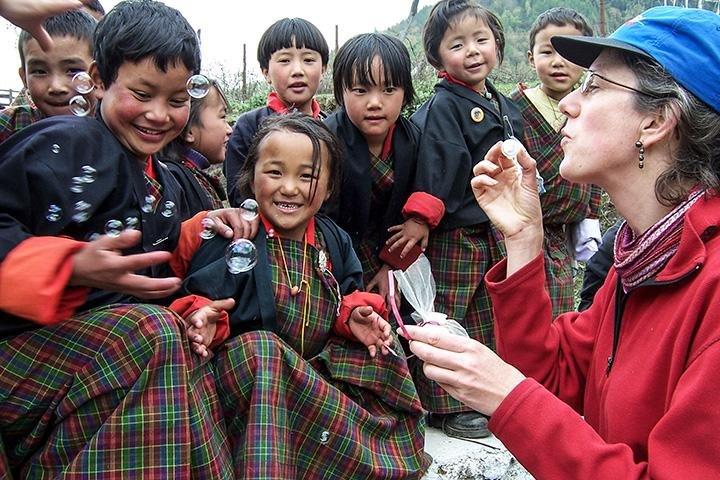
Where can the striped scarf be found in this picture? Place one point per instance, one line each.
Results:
(640, 258)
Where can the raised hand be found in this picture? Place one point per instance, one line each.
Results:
(30, 15)
(202, 324)
(102, 265)
(468, 370)
(229, 223)
(371, 329)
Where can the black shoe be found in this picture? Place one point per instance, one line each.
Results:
(463, 425)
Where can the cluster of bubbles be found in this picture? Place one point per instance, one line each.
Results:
(87, 176)
(240, 255)
(82, 83)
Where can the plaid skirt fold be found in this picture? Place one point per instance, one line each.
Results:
(109, 394)
(339, 415)
(459, 259)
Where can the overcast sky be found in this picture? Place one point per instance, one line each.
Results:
(227, 24)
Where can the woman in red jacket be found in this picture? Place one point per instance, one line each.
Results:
(641, 365)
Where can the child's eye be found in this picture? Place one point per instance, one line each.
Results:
(546, 52)
(73, 71)
(273, 173)
(179, 102)
(38, 71)
(482, 40)
(455, 46)
(141, 95)
(391, 90)
(310, 60)
(358, 90)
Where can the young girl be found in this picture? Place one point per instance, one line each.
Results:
(301, 370)
(567, 207)
(293, 55)
(459, 124)
(373, 82)
(202, 143)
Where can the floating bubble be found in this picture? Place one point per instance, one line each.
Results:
(249, 209)
(79, 106)
(240, 256)
(198, 86)
(88, 174)
(78, 185)
(207, 232)
(132, 223)
(55, 148)
(54, 213)
(147, 207)
(83, 83)
(82, 205)
(168, 209)
(93, 237)
(113, 228)
(81, 217)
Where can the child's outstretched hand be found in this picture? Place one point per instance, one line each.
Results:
(229, 223)
(202, 323)
(407, 235)
(371, 329)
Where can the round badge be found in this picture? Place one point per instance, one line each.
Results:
(477, 114)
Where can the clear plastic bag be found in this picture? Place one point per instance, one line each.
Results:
(418, 287)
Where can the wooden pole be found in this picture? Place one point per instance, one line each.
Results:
(603, 23)
(244, 72)
(337, 41)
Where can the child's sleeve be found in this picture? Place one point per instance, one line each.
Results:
(188, 244)
(424, 206)
(351, 302)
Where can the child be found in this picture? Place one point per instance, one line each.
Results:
(372, 83)
(90, 378)
(293, 55)
(302, 365)
(459, 124)
(202, 143)
(47, 75)
(564, 204)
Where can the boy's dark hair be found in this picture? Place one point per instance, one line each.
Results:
(445, 13)
(136, 30)
(78, 24)
(95, 6)
(288, 32)
(174, 149)
(353, 64)
(559, 16)
(312, 128)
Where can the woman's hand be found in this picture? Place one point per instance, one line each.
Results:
(229, 223)
(468, 370)
(370, 329)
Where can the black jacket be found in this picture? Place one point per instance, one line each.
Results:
(453, 140)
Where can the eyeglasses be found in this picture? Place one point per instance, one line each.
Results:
(588, 80)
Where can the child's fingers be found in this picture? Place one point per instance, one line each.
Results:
(372, 349)
(395, 228)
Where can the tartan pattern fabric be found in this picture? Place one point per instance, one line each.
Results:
(336, 413)
(154, 189)
(108, 395)
(459, 259)
(15, 118)
(559, 273)
(382, 173)
(211, 185)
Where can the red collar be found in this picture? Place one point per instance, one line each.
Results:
(309, 230)
(278, 106)
(387, 145)
(149, 169)
(451, 79)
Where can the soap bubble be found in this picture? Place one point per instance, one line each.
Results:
(132, 223)
(147, 207)
(240, 256)
(81, 217)
(198, 86)
(113, 228)
(78, 185)
(54, 213)
(88, 174)
(55, 148)
(79, 106)
(168, 209)
(207, 232)
(249, 209)
(83, 83)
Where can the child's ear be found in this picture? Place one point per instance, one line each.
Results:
(531, 59)
(94, 73)
(266, 74)
(21, 73)
(189, 136)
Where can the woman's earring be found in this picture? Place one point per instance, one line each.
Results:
(641, 154)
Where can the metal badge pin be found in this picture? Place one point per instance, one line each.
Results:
(477, 114)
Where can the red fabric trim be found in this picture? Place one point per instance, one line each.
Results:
(351, 302)
(387, 144)
(275, 103)
(188, 305)
(424, 206)
(149, 169)
(34, 280)
(309, 230)
(188, 243)
(451, 79)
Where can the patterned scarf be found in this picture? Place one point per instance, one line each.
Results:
(640, 258)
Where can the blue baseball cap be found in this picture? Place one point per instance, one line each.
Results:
(685, 41)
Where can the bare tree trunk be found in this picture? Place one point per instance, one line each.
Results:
(413, 12)
(244, 72)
